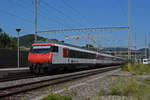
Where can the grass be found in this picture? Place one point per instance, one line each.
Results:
(136, 68)
(66, 95)
(123, 87)
(54, 96)
(138, 89)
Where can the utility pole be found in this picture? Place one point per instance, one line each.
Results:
(145, 46)
(135, 47)
(35, 37)
(129, 31)
(149, 50)
(88, 39)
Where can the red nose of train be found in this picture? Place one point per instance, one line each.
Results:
(40, 58)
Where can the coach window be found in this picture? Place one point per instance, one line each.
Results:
(84, 55)
(81, 54)
(77, 54)
(55, 49)
(72, 54)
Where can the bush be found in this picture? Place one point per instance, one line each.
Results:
(123, 87)
(136, 68)
(129, 87)
(56, 97)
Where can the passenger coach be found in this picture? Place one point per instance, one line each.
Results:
(46, 57)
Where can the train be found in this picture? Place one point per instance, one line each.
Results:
(45, 57)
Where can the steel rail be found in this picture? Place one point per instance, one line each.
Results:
(18, 77)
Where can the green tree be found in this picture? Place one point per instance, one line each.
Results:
(1, 30)
(89, 46)
(13, 44)
(4, 40)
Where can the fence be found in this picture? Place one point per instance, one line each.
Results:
(8, 58)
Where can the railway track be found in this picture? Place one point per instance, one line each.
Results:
(21, 88)
(27, 74)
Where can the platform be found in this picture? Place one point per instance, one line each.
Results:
(14, 69)
(8, 71)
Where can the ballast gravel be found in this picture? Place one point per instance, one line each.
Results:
(87, 88)
(82, 88)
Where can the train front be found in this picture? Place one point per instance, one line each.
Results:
(40, 57)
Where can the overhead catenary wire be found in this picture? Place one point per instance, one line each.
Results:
(48, 10)
(14, 15)
(52, 20)
(121, 7)
(19, 17)
(44, 11)
(62, 13)
(25, 19)
(20, 4)
(49, 18)
(75, 10)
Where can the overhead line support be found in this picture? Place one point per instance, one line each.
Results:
(83, 30)
(35, 21)
(129, 32)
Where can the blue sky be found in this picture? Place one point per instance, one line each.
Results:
(64, 14)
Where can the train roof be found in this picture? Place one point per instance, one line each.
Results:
(75, 47)
(64, 44)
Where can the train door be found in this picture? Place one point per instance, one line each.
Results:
(55, 58)
(65, 55)
(97, 58)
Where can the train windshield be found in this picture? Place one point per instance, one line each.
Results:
(40, 49)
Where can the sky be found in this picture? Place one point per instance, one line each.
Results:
(72, 14)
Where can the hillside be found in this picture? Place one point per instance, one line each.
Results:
(143, 51)
(115, 49)
(28, 40)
